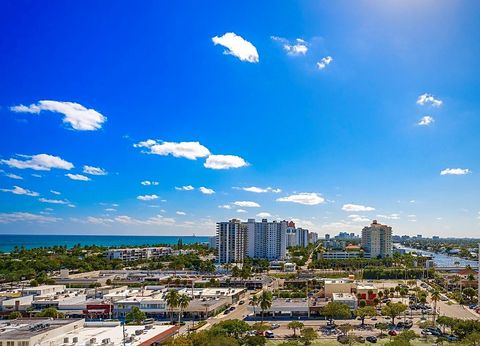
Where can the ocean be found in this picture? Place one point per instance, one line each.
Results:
(30, 241)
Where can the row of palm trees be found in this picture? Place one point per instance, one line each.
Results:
(176, 300)
(264, 301)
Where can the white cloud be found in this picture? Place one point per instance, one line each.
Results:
(40, 162)
(184, 188)
(225, 206)
(206, 190)
(264, 215)
(224, 162)
(110, 209)
(94, 170)
(356, 207)
(241, 211)
(26, 217)
(303, 223)
(181, 213)
(188, 150)
(358, 218)
(55, 192)
(426, 99)
(17, 190)
(237, 46)
(77, 177)
(426, 120)
(455, 171)
(148, 183)
(147, 197)
(305, 198)
(389, 217)
(76, 115)
(247, 204)
(256, 189)
(298, 47)
(13, 176)
(155, 220)
(53, 201)
(324, 62)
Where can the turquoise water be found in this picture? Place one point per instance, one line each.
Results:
(30, 241)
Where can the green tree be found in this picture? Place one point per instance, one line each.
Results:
(232, 328)
(295, 325)
(51, 313)
(308, 335)
(265, 301)
(183, 302)
(135, 315)
(255, 340)
(435, 297)
(34, 283)
(253, 302)
(367, 311)
(382, 327)
(171, 298)
(14, 315)
(335, 310)
(393, 310)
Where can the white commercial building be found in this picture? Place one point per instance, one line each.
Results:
(135, 254)
(377, 240)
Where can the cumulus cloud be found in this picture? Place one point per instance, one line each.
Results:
(184, 188)
(94, 170)
(324, 62)
(17, 190)
(298, 47)
(148, 183)
(389, 217)
(181, 213)
(77, 177)
(358, 218)
(40, 162)
(77, 116)
(356, 208)
(305, 198)
(147, 197)
(256, 189)
(264, 215)
(206, 190)
(429, 99)
(247, 204)
(13, 176)
(26, 217)
(225, 206)
(53, 201)
(188, 150)
(154, 220)
(224, 162)
(241, 211)
(455, 171)
(426, 120)
(55, 192)
(237, 46)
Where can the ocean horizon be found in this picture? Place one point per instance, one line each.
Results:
(31, 241)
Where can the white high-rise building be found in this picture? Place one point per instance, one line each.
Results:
(231, 241)
(312, 237)
(266, 239)
(302, 237)
(377, 240)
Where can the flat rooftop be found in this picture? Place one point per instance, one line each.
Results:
(22, 329)
(136, 334)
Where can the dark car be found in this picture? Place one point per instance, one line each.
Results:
(232, 308)
(372, 339)
(241, 302)
(226, 312)
(452, 338)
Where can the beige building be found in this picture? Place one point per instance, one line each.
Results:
(377, 240)
(338, 286)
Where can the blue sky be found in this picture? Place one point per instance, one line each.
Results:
(329, 113)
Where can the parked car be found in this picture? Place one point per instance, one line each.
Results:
(232, 308)
(241, 302)
(226, 312)
(275, 325)
(269, 334)
(452, 338)
(393, 333)
(372, 339)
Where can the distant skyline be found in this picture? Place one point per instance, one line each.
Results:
(163, 118)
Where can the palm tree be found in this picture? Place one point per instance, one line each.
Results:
(435, 296)
(183, 302)
(265, 301)
(172, 298)
(253, 302)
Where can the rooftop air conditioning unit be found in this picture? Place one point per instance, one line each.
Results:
(105, 341)
(93, 341)
(75, 339)
(66, 340)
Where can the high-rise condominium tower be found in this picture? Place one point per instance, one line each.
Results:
(377, 240)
